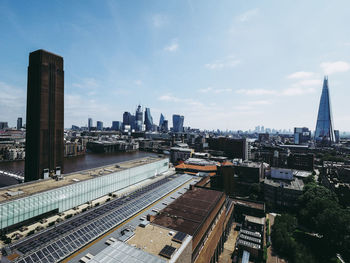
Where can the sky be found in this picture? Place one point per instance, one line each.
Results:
(222, 64)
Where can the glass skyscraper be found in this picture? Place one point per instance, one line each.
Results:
(163, 124)
(161, 119)
(139, 118)
(324, 127)
(99, 126)
(178, 123)
(89, 124)
(148, 119)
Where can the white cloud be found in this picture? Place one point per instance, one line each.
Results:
(214, 90)
(186, 101)
(300, 75)
(308, 82)
(138, 82)
(255, 92)
(295, 91)
(298, 88)
(173, 46)
(228, 62)
(12, 102)
(159, 20)
(259, 102)
(77, 108)
(246, 16)
(168, 98)
(334, 67)
(87, 83)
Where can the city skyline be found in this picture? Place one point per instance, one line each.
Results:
(229, 67)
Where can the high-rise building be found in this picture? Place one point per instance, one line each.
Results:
(3, 125)
(126, 118)
(90, 124)
(99, 125)
(178, 123)
(139, 118)
(336, 136)
(301, 135)
(163, 124)
(161, 119)
(116, 125)
(148, 119)
(324, 133)
(45, 115)
(19, 123)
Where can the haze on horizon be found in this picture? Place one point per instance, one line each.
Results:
(223, 65)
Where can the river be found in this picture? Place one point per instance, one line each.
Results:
(73, 164)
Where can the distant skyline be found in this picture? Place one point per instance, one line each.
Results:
(222, 64)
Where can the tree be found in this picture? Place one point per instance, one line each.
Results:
(284, 242)
(282, 235)
(312, 202)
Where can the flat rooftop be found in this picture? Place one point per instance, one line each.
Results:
(119, 252)
(188, 212)
(251, 204)
(42, 185)
(295, 184)
(153, 238)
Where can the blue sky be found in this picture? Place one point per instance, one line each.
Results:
(222, 64)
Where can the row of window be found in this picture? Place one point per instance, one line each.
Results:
(67, 197)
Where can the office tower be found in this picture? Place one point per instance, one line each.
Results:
(126, 118)
(148, 119)
(99, 125)
(90, 124)
(133, 122)
(3, 125)
(116, 125)
(19, 123)
(139, 118)
(336, 136)
(164, 127)
(178, 123)
(324, 133)
(161, 119)
(45, 109)
(301, 135)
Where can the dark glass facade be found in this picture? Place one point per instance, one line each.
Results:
(139, 118)
(178, 123)
(148, 119)
(99, 125)
(324, 132)
(90, 124)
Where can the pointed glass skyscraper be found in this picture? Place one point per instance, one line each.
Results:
(324, 127)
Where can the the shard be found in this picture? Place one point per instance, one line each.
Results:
(324, 133)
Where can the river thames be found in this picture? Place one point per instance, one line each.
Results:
(73, 164)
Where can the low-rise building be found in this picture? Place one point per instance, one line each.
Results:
(178, 154)
(204, 214)
(197, 166)
(283, 193)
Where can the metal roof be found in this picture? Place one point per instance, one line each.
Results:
(119, 252)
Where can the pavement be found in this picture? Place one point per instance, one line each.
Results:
(229, 246)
